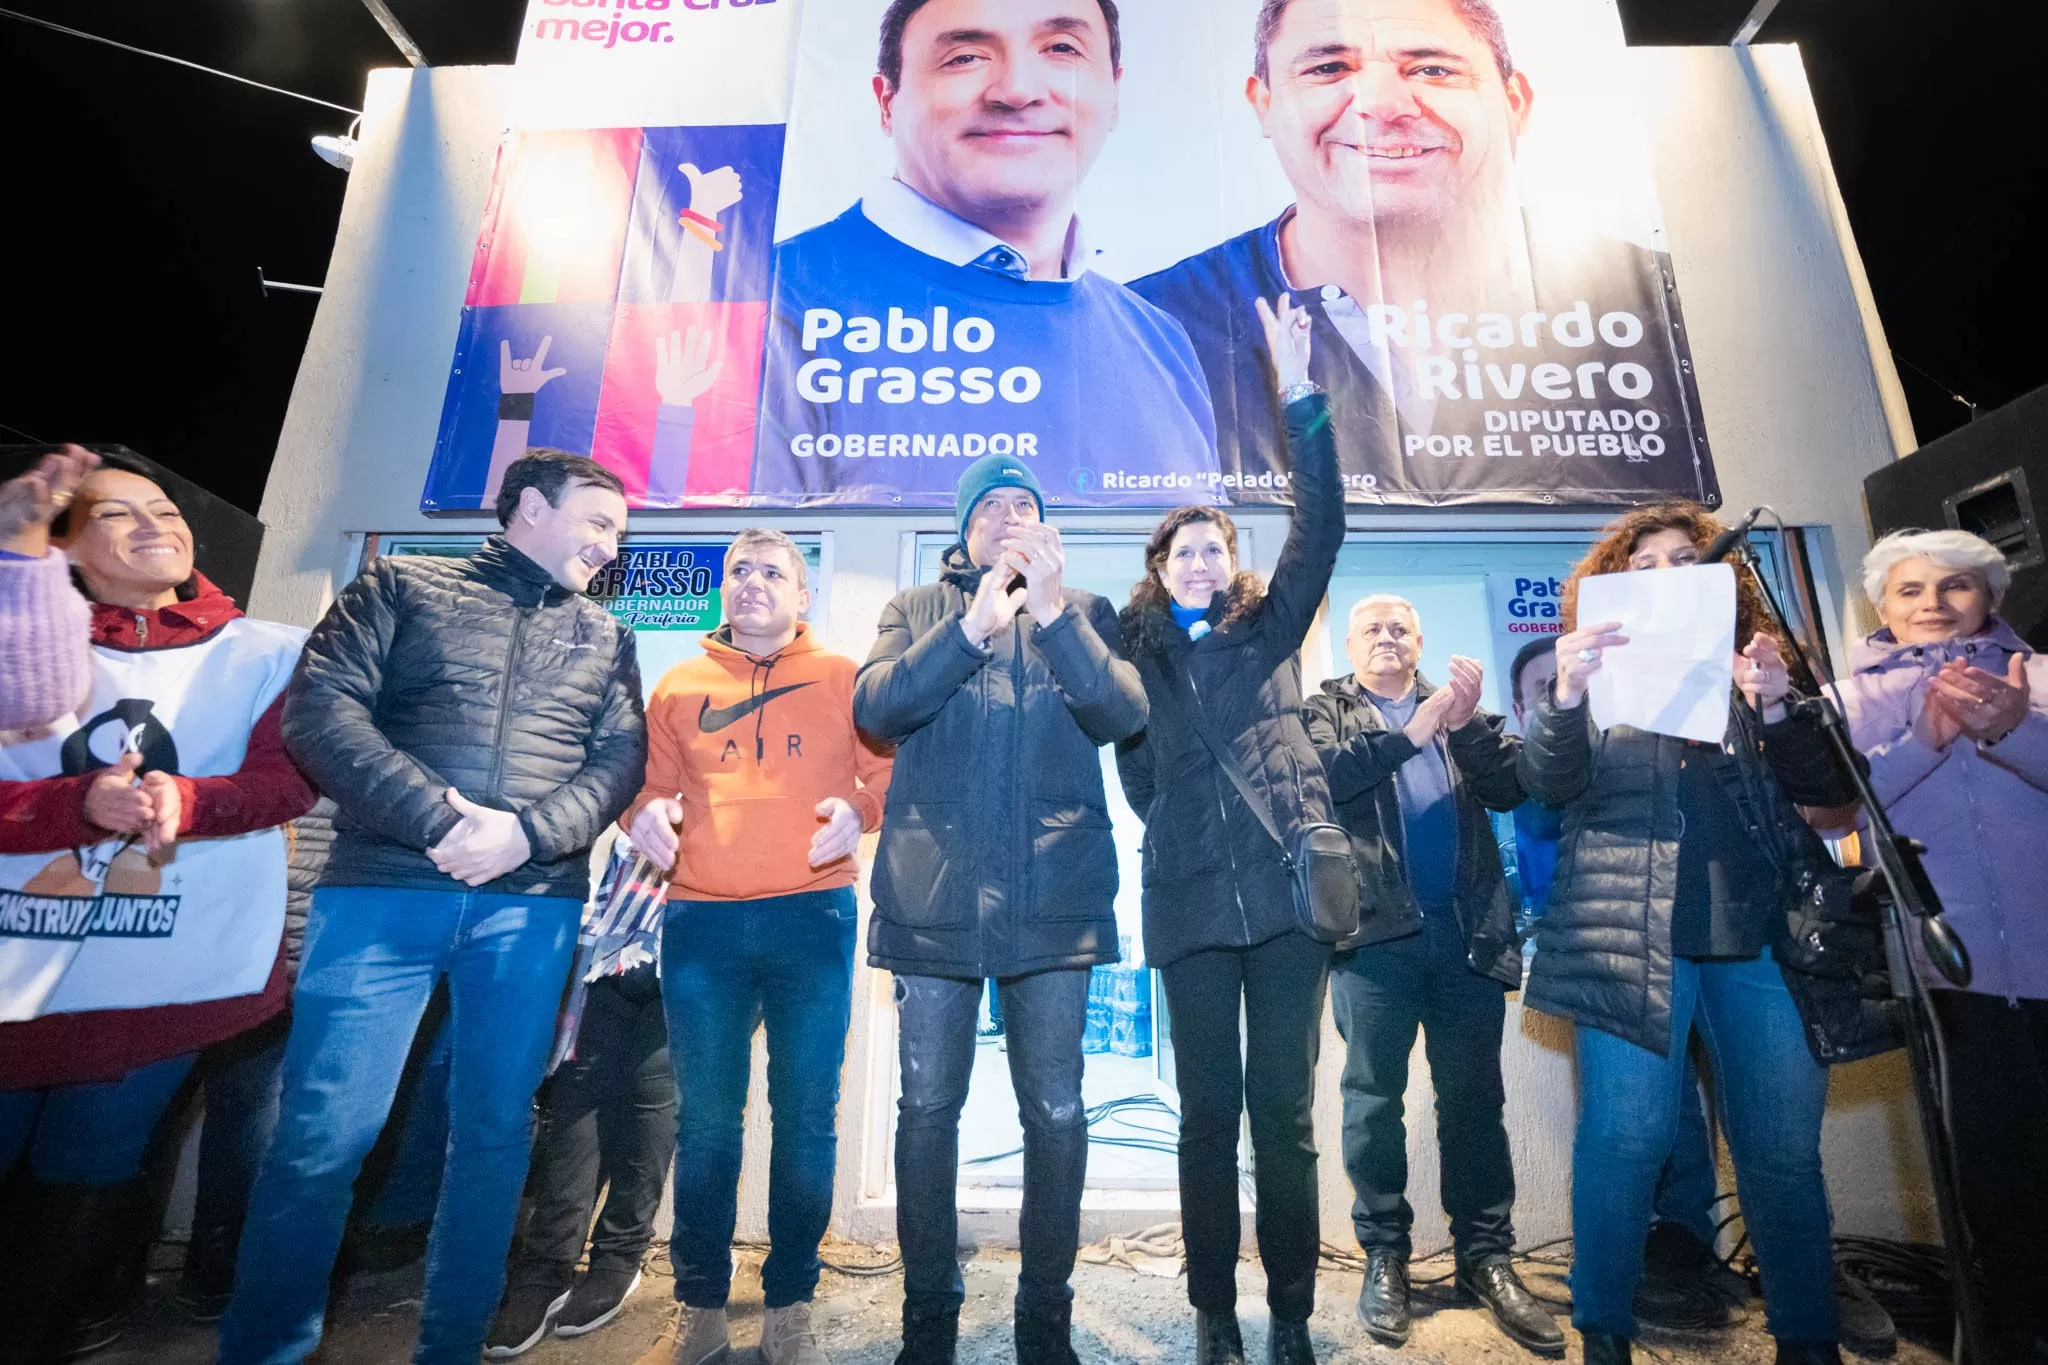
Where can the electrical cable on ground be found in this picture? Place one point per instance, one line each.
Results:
(1162, 1140)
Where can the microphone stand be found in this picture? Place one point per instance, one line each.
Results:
(1910, 896)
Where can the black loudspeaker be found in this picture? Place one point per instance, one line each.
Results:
(225, 539)
(1989, 478)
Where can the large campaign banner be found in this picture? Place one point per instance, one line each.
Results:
(933, 229)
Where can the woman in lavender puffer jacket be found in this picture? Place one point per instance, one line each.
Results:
(1951, 708)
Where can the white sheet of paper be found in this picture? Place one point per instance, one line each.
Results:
(1673, 675)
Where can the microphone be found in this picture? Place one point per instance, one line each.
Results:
(1730, 538)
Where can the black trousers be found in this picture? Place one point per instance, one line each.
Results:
(610, 1115)
(1383, 994)
(1269, 1074)
(1998, 1089)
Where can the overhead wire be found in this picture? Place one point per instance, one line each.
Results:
(68, 31)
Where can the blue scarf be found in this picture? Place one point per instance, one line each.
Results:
(1187, 617)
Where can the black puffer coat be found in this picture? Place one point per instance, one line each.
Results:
(309, 840)
(1213, 877)
(1603, 949)
(996, 857)
(1361, 756)
(483, 674)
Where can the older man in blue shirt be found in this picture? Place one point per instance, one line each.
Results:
(1413, 771)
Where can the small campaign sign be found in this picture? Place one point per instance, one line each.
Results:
(663, 585)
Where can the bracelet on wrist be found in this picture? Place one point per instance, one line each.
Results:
(515, 407)
(1301, 388)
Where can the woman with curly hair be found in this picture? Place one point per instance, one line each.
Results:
(1219, 918)
(1673, 880)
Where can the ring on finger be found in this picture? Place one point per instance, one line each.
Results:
(1587, 656)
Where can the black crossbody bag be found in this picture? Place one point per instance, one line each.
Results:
(1320, 869)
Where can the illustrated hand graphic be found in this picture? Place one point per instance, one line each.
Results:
(711, 192)
(525, 376)
(683, 367)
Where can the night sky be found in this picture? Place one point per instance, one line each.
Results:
(142, 198)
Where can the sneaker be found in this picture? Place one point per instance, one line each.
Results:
(693, 1336)
(94, 1333)
(599, 1296)
(787, 1337)
(1684, 1286)
(1861, 1322)
(523, 1319)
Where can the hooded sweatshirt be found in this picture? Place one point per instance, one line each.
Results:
(751, 746)
(1981, 812)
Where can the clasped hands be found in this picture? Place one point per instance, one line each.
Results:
(1962, 700)
(1030, 551)
(653, 831)
(484, 845)
(1450, 707)
(151, 807)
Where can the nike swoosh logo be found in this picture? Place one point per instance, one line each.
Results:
(711, 719)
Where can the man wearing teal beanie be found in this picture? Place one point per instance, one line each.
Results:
(997, 685)
(987, 474)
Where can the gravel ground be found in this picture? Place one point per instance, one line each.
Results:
(1119, 1316)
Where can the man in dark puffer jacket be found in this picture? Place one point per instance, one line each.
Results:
(1414, 770)
(478, 723)
(996, 686)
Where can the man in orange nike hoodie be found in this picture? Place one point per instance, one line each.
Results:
(758, 790)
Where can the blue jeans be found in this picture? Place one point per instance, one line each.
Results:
(401, 1180)
(1772, 1097)
(727, 968)
(92, 1134)
(1044, 1017)
(373, 957)
(1689, 1183)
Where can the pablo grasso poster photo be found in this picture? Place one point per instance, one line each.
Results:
(1040, 227)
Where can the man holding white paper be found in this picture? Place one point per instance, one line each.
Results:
(1674, 876)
